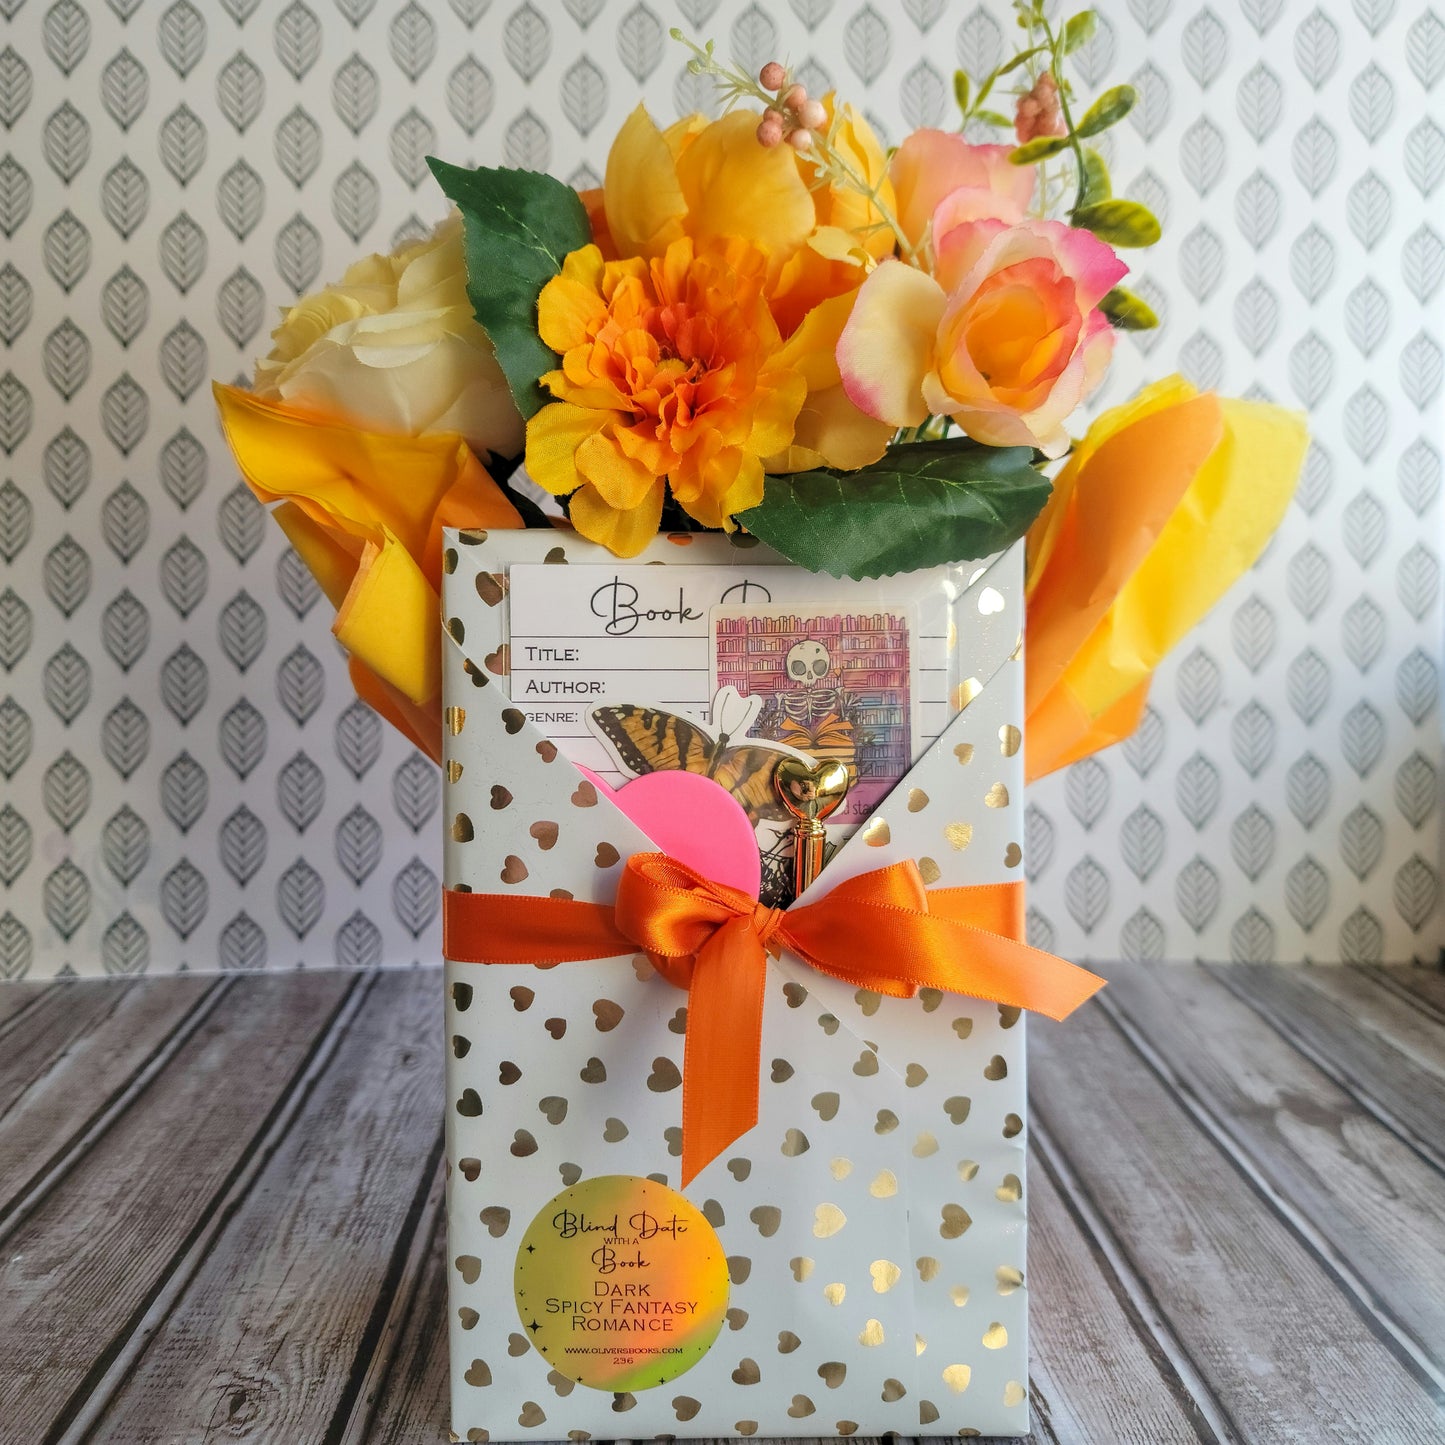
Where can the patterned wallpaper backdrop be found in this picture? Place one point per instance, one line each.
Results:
(187, 780)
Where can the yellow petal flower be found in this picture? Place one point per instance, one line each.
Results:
(644, 203)
(553, 436)
(624, 533)
(888, 345)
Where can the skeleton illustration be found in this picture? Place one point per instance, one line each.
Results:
(815, 714)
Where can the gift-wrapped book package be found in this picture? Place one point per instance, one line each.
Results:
(855, 1261)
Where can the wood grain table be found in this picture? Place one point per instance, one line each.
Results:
(220, 1210)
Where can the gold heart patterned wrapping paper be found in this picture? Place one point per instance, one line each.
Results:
(873, 1221)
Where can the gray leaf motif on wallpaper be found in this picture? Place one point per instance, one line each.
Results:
(178, 737)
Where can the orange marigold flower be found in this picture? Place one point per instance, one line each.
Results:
(670, 374)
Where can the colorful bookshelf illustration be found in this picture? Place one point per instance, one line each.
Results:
(870, 666)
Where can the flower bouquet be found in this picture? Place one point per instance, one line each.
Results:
(789, 404)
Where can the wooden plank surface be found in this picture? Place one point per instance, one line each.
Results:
(1372, 1042)
(78, 1274)
(1237, 1217)
(1372, 1202)
(1262, 1320)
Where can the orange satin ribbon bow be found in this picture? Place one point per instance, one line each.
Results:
(882, 931)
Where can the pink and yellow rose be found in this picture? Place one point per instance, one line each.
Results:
(978, 183)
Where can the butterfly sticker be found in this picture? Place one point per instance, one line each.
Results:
(642, 739)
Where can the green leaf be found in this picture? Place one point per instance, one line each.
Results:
(1128, 312)
(992, 117)
(1097, 186)
(1038, 149)
(922, 504)
(961, 89)
(1120, 223)
(518, 227)
(1022, 58)
(1109, 109)
(1080, 30)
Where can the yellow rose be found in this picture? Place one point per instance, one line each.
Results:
(395, 348)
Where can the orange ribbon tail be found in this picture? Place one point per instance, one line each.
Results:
(881, 930)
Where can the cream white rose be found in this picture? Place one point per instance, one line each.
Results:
(394, 347)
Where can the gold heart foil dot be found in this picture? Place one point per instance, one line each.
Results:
(835, 1294)
(570, 1173)
(739, 1265)
(867, 1064)
(1013, 855)
(517, 1345)
(995, 1337)
(454, 770)
(614, 1131)
(1014, 1393)
(553, 1107)
(957, 1108)
(594, 1071)
(555, 558)
(967, 1169)
(846, 1427)
(524, 1145)
(965, 693)
(995, 1069)
(512, 719)
(826, 1105)
(471, 1169)
(462, 830)
(877, 833)
(828, 1219)
(929, 871)
(740, 1168)
(746, 1427)
(924, 1145)
(990, 601)
(478, 1374)
(956, 1377)
(513, 869)
(959, 1295)
(959, 836)
(840, 1168)
(545, 833)
(469, 1267)
(964, 753)
(664, 1076)
(996, 797)
(456, 719)
(677, 1024)
(956, 1220)
(501, 797)
(801, 1407)
(546, 750)
(801, 1267)
(469, 1319)
(952, 635)
(496, 1217)
(491, 587)
(1008, 1278)
(685, 1407)
(795, 1142)
(767, 1217)
(930, 998)
(915, 1075)
(782, 1071)
(1010, 1191)
(522, 997)
(1010, 740)
(927, 1267)
(870, 1336)
(832, 1373)
(1008, 1015)
(927, 1412)
(532, 1414)
(508, 1073)
(450, 560)
(867, 1001)
(747, 1373)
(606, 856)
(584, 795)
(607, 1015)
(561, 1384)
(887, 1122)
(963, 1027)
(787, 1342)
(885, 1274)
(892, 1389)
(884, 1184)
(917, 800)
(795, 994)
(499, 663)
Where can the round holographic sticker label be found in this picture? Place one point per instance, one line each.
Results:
(621, 1283)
